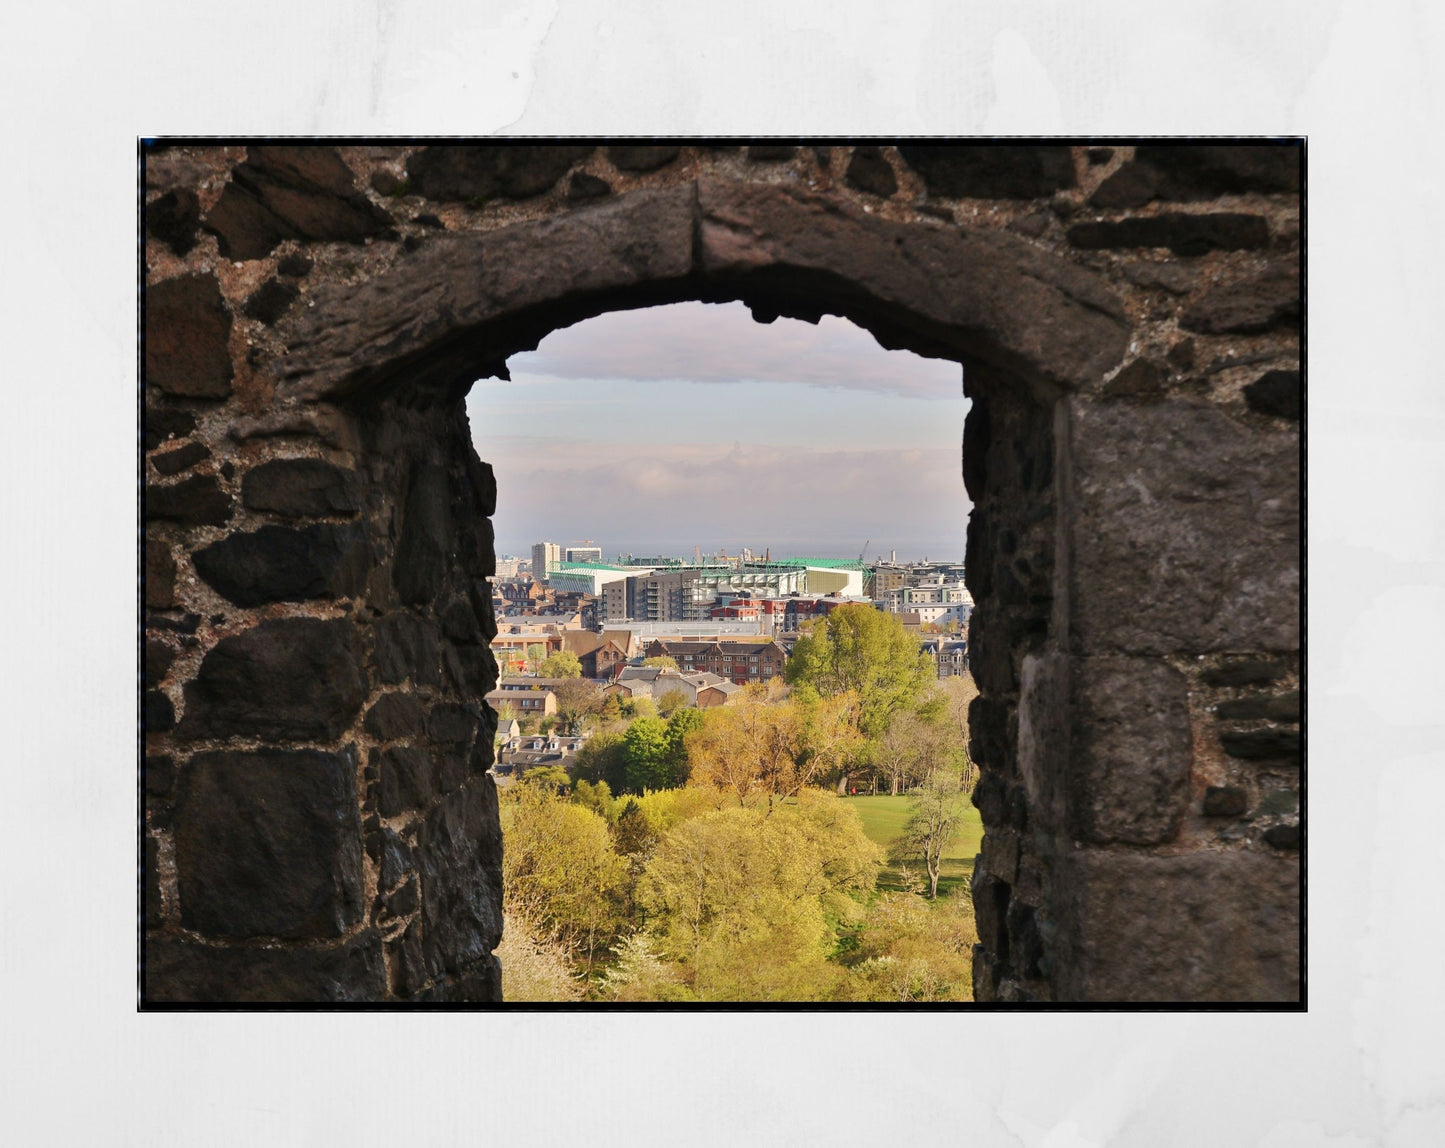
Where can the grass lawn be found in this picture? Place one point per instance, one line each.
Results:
(883, 819)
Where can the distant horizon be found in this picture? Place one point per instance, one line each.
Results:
(809, 438)
(908, 551)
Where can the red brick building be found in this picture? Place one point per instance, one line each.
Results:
(739, 661)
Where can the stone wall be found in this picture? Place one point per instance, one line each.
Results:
(319, 820)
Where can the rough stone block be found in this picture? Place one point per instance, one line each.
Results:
(485, 171)
(1182, 234)
(396, 859)
(174, 219)
(1015, 306)
(408, 780)
(583, 188)
(1133, 185)
(270, 301)
(178, 971)
(639, 158)
(1201, 927)
(188, 338)
(152, 874)
(1262, 744)
(279, 564)
(988, 171)
(423, 319)
(161, 425)
(868, 170)
(1268, 301)
(407, 647)
(395, 715)
(1132, 750)
(1224, 801)
(770, 153)
(268, 843)
(291, 193)
(459, 857)
(160, 576)
(182, 458)
(195, 501)
(1194, 172)
(1276, 393)
(157, 715)
(420, 564)
(1250, 672)
(301, 487)
(1278, 707)
(1185, 531)
(288, 678)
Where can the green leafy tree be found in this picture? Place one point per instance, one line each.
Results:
(671, 701)
(560, 875)
(867, 652)
(536, 654)
(601, 760)
(662, 661)
(682, 722)
(562, 664)
(645, 750)
(597, 798)
(552, 777)
(937, 812)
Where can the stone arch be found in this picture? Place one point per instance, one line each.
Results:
(321, 824)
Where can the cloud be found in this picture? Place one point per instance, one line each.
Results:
(768, 496)
(720, 343)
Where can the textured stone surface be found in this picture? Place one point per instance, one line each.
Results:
(641, 158)
(268, 843)
(407, 647)
(1249, 672)
(1224, 801)
(160, 576)
(1186, 531)
(1003, 171)
(1193, 172)
(1277, 707)
(1182, 234)
(1262, 744)
(459, 857)
(395, 715)
(182, 458)
(1276, 393)
(583, 188)
(279, 564)
(1218, 927)
(1133, 185)
(1141, 379)
(1268, 301)
(195, 501)
(456, 283)
(151, 867)
(174, 219)
(176, 971)
(161, 425)
(158, 659)
(993, 292)
(483, 172)
(427, 532)
(187, 338)
(157, 713)
(291, 193)
(286, 678)
(299, 487)
(270, 301)
(770, 153)
(1131, 750)
(408, 780)
(869, 171)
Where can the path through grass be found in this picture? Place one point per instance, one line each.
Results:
(883, 819)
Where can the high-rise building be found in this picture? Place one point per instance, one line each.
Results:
(582, 552)
(545, 555)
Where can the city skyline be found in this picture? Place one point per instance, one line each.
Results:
(663, 429)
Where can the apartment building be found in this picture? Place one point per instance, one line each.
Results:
(740, 662)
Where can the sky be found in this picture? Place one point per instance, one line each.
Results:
(661, 429)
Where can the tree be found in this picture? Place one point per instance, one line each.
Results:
(560, 874)
(553, 777)
(662, 661)
(601, 760)
(562, 664)
(671, 701)
(743, 901)
(679, 725)
(938, 810)
(865, 651)
(768, 744)
(958, 694)
(576, 698)
(645, 752)
(912, 749)
(535, 654)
